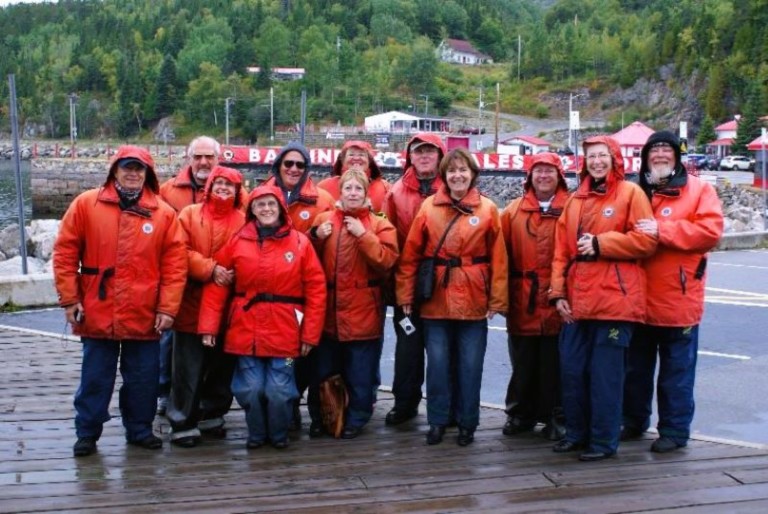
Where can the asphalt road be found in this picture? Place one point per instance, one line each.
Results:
(732, 377)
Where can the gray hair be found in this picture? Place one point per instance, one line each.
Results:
(206, 139)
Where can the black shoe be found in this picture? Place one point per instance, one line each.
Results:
(565, 446)
(630, 433)
(466, 437)
(665, 445)
(515, 426)
(435, 434)
(252, 444)
(553, 431)
(151, 442)
(84, 446)
(189, 441)
(595, 456)
(316, 429)
(282, 444)
(395, 416)
(215, 432)
(295, 423)
(351, 432)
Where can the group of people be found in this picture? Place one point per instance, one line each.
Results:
(268, 294)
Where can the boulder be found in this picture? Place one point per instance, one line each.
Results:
(13, 266)
(9, 240)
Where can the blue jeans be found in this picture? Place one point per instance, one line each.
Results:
(592, 356)
(677, 349)
(358, 364)
(139, 363)
(265, 388)
(464, 341)
(166, 353)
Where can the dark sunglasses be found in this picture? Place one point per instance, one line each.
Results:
(299, 164)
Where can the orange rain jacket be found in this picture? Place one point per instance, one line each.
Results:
(612, 286)
(378, 187)
(206, 228)
(279, 290)
(181, 190)
(476, 282)
(356, 269)
(690, 221)
(404, 199)
(530, 238)
(124, 266)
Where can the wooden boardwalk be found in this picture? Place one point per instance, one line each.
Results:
(384, 470)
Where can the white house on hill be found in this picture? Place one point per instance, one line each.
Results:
(461, 52)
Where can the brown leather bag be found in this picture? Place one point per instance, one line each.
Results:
(333, 402)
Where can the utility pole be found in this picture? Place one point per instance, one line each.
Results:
(271, 113)
(496, 121)
(72, 123)
(480, 106)
(426, 104)
(227, 102)
(519, 50)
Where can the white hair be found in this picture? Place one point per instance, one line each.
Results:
(204, 139)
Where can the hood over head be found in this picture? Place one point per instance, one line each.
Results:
(679, 174)
(293, 146)
(424, 137)
(265, 190)
(617, 168)
(230, 174)
(373, 169)
(546, 158)
(139, 154)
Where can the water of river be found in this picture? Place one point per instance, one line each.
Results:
(9, 210)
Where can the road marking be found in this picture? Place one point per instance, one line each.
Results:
(739, 265)
(735, 297)
(724, 355)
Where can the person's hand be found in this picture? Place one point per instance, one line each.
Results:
(564, 308)
(162, 322)
(209, 341)
(648, 226)
(223, 276)
(305, 349)
(407, 309)
(73, 311)
(354, 226)
(324, 230)
(584, 245)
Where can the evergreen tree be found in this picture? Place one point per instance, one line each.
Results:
(749, 123)
(706, 132)
(165, 88)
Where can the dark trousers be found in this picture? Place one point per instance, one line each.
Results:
(592, 364)
(201, 385)
(533, 393)
(677, 349)
(358, 364)
(139, 364)
(409, 362)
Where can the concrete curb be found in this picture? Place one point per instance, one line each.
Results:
(743, 240)
(28, 290)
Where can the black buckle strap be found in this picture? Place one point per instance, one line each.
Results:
(457, 262)
(374, 282)
(272, 298)
(700, 269)
(534, 278)
(108, 273)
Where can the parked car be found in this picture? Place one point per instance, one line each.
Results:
(697, 160)
(471, 130)
(712, 163)
(736, 162)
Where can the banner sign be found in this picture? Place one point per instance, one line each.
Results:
(265, 156)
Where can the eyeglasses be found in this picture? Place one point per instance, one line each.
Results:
(299, 164)
(426, 149)
(600, 156)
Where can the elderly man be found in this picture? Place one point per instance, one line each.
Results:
(420, 180)
(533, 324)
(687, 223)
(120, 266)
(187, 188)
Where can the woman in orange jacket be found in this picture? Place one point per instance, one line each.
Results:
(357, 249)
(200, 386)
(276, 313)
(470, 287)
(358, 155)
(598, 287)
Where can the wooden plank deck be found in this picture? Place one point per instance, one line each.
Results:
(384, 470)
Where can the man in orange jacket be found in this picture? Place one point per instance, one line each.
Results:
(120, 265)
(687, 223)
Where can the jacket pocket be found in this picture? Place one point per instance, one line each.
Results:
(620, 280)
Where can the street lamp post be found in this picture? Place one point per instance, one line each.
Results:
(227, 102)
(571, 117)
(72, 123)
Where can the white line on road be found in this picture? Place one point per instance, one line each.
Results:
(739, 265)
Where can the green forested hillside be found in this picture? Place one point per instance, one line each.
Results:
(132, 62)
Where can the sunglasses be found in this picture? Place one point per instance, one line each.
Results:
(290, 164)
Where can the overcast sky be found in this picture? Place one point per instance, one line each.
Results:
(3, 3)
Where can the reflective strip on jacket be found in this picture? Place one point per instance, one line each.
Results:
(134, 264)
(690, 221)
(356, 271)
(477, 283)
(530, 239)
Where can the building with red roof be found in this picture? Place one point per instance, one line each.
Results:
(632, 138)
(461, 52)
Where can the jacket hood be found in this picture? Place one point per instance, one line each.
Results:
(373, 169)
(425, 137)
(230, 174)
(678, 177)
(135, 152)
(293, 146)
(265, 190)
(617, 170)
(546, 158)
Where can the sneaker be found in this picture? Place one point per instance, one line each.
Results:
(665, 445)
(84, 446)
(162, 405)
(151, 442)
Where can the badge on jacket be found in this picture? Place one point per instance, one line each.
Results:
(474, 220)
(608, 212)
(304, 215)
(666, 211)
(288, 256)
(147, 228)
